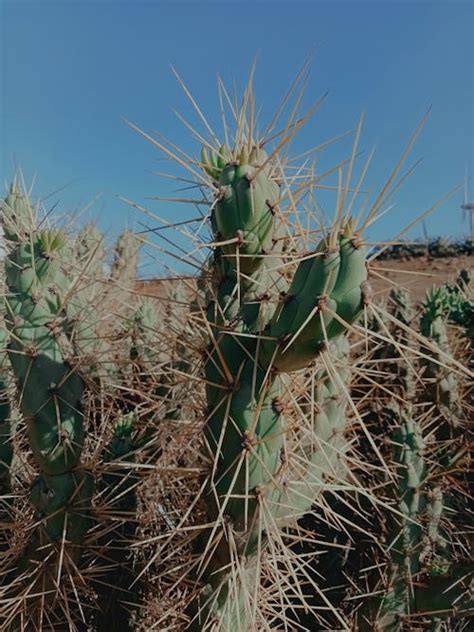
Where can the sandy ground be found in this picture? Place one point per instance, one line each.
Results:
(417, 275)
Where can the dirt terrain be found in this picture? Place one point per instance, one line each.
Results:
(417, 274)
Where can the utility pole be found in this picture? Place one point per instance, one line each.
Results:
(468, 208)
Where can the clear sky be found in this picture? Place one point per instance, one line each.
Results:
(72, 70)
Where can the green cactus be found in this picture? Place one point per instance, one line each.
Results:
(254, 341)
(442, 380)
(118, 591)
(421, 545)
(406, 533)
(50, 389)
(417, 546)
(89, 250)
(326, 295)
(456, 302)
(83, 307)
(321, 447)
(49, 337)
(124, 266)
(279, 442)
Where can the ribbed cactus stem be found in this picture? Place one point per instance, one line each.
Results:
(244, 211)
(442, 381)
(124, 266)
(117, 591)
(405, 536)
(403, 368)
(84, 307)
(50, 389)
(327, 295)
(117, 288)
(90, 251)
(436, 551)
(320, 454)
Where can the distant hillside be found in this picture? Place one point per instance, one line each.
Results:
(416, 274)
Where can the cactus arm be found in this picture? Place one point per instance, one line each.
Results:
(322, 458)
(17, 215)
(320, 308)
(117, 591)
(51, 391)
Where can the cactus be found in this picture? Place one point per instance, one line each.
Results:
(406, 534)
(243, 214)
(50, 389)
(119, 594)
(124, 266)
(442, 380)
(264, 466)
(456, 302)
(250, 349)
(89, 250)
(17, 214)
(420, 544)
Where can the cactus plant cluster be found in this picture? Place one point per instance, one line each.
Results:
(75, 446)
(264, 447)
(426, 533)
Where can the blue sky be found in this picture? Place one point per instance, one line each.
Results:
(72, 71)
